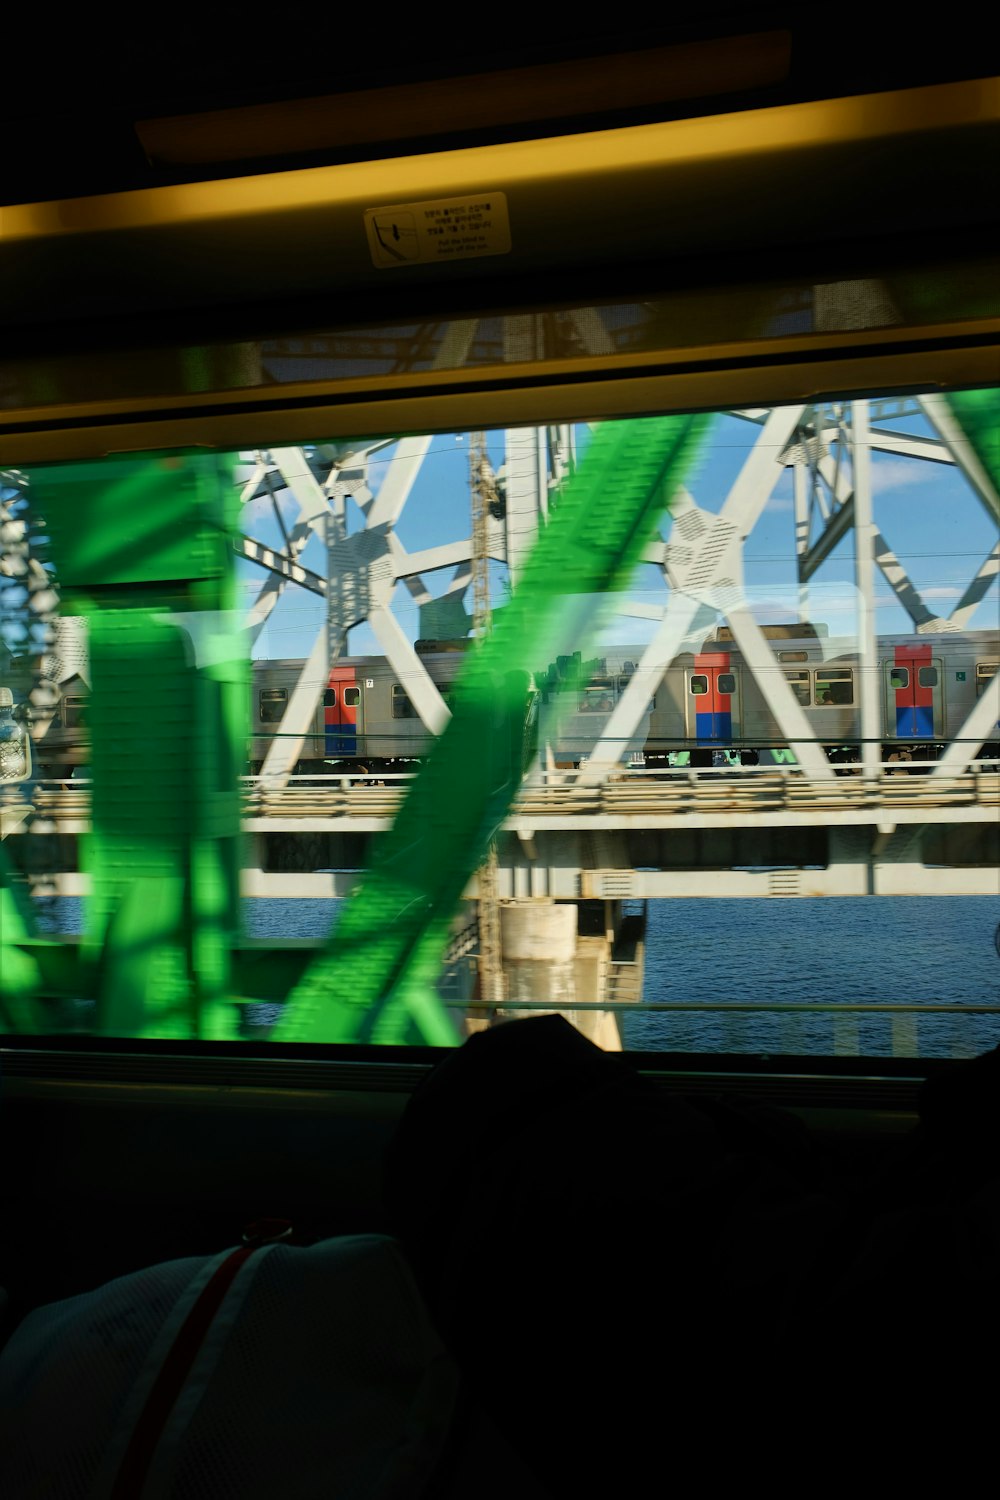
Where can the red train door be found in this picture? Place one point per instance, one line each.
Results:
(712, 699)
(341, 711)
(914, 691)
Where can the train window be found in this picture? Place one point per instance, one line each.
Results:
(402, 707)
(927, 677)
(623, 846)
(74, 712)
(834, 688)
(899, 677)
(272, 703)
(598, 698)
(799, 683)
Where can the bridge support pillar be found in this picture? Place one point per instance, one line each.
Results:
(546, 962)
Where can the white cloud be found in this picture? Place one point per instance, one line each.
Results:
(902, 473)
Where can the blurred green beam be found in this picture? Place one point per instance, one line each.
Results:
(376, 979)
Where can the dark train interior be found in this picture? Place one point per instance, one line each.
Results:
(123, 1154)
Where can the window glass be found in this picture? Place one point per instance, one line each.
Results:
(521, 851)
(402, 708)
(834, 687)
(598, 697)
(273, 702)
(799, 684)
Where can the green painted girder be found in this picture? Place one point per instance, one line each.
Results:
(376, 979)
(142, 547)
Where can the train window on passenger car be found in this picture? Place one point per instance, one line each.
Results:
(402, 708)
(834, 688)
(699, 685)
(985, 673)
(799, 684)
(272, 704)
(330, 698)
(927, 677)
(599, 698)
(793, 655)
(352, 697)
(727, 682)
(899, 677)
(74, 712)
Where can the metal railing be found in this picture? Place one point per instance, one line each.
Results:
(733, 790)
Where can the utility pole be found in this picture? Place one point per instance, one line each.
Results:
(484, 491)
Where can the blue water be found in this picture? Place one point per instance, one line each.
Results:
(868, 950)
(921, 950)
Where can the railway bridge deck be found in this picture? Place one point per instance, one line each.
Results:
(742, 831)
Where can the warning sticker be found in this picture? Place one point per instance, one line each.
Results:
(409, 234)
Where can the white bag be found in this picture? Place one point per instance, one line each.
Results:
(273, 1372)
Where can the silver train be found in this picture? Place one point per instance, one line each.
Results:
(707, 705)
(704, 703)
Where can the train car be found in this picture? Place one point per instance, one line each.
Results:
(364, 718)
(706, 701)
(710, 701)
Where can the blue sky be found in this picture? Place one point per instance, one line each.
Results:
(926, 511)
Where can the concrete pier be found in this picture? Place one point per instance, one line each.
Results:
(547, 961)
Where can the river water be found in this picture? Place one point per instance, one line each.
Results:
(922, 951)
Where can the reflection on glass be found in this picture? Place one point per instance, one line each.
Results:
(636, 766)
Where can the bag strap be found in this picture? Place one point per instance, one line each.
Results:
(173, 1373)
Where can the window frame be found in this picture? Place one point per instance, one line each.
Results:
(399, 694)
(275, 695)
(771, 373)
